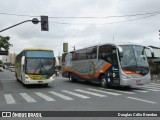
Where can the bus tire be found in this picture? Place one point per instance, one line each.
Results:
(103, 81)
(71, 78)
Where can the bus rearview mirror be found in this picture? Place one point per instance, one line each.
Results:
(23, 60)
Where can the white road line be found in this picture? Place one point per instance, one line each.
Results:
(27, 97)
(60, 95)
(47, 98)
(9, 99)
(119, 91)
(154, 84)
(142, 91)
(111, 93)
(153, 90)
(141, 100)
(149, 87)
(91, 93)
(75, 94)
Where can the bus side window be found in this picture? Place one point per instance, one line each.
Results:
(105, 53)
(91, 53)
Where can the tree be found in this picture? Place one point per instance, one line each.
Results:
(4, 42)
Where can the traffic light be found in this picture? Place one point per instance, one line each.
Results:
(65, 47)
(44, 23)
(3, 52)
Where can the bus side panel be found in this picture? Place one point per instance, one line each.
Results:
(86, 69)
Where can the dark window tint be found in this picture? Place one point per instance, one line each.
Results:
(105, 53)
(92, 53)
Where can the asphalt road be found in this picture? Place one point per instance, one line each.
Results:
(80, 96)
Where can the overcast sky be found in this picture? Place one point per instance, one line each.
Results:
(80, 32)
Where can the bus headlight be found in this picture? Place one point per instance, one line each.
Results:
(27, 77)
(125, 77)
(52, 77)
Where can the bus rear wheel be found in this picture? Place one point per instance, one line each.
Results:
(103, 82)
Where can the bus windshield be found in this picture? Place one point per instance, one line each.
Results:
(43, 66)
(133, 56)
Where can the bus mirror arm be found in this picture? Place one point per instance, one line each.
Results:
(152, 52)
(120, 51)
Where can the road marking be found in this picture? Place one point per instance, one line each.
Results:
(47, 98)
(75, 94)
(9, 99)
(119, 91)
(141, 100)
(149, 87)
(154, 84)
(116, 94)
(153, 90)
(27, 97)
(143, 91)
(87, 92)
(60, 95)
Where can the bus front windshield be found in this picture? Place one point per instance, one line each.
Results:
(134, 57)
(40, 66)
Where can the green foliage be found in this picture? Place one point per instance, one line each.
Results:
(4, 43)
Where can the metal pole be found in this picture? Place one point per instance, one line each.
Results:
(15, 25)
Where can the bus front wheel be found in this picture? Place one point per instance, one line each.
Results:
(103, 82)
(71, 78)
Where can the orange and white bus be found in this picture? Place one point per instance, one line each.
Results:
(35, 66)
(108, 64)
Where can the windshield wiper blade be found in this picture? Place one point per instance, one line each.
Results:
(44, 67)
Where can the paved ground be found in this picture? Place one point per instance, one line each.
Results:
(1, 85)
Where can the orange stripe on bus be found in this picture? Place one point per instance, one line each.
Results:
(106, 67)
(131, 72)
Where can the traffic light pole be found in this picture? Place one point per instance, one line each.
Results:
(34, 21)
(44, 23)
(15, 25)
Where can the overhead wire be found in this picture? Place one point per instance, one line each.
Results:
(83, 17)
(145, 15)
(104, 23)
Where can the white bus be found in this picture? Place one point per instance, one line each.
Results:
(108, 64)
(35, 66)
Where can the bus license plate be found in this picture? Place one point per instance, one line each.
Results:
(138, 81)
(40, 81)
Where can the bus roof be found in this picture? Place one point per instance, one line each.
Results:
(38, 49)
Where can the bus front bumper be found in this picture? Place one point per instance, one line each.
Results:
(29, 81)
(135, 81)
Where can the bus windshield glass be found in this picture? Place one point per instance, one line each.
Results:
(39, 66)
(133, 55)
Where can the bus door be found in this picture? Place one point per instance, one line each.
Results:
(115, 77)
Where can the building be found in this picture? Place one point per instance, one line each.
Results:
(9, 59)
